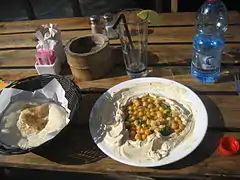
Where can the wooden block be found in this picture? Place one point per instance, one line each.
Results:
(174, 5)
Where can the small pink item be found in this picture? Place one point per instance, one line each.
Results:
(47, 62)
(45, 57)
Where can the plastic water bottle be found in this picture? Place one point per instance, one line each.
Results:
(208, 43)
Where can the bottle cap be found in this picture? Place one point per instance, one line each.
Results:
(94, 18)
(228, 146)
(107, 17)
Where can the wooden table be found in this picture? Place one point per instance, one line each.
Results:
(170, 49)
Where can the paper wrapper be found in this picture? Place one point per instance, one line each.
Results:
(49, 38)
(9, 132)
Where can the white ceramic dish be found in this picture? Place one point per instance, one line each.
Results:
(189, 144)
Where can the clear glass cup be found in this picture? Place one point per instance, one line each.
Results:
(134, 49)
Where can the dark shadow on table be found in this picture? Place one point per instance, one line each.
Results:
(225, 78)
(74, 145)
(119, 68)
(232, 61)
(153, 59)
(134, 32)
(118, 57)
(210, 142)
(150, 31)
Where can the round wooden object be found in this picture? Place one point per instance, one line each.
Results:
(89, 56)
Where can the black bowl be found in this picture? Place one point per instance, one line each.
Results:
(72, 94)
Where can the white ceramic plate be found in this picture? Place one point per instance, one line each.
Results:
(189, 144)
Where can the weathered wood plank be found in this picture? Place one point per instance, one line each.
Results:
(157, 54)
(168, 19)
(156, 35)
(204, 161)
(118, 74)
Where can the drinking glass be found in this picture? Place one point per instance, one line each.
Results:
(134, 43)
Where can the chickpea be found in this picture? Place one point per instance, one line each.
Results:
(130, 112)
(149, 100)
(174, 125)
(176, 118)
(142, 131)
(135, 112)
(156, 101)
(148, 122)
(137, 102)
(150, 106)
(130, 108)
(168, 119)
(140, 114)
(165, 111)
(144, 118)
(159, 114)
(135, 108)
(133, 128)
(179, 121)
(138, 128)
(156, 130)
(160, 109)
(178, 130)
(132, 133)
(144, 136)
(138, 137)
(147, 132)
(136, 122)
(143, 125)
(152, 114)
(148, 113)
(133, 118)
(162, 126)
(145, 104)
(153, 123)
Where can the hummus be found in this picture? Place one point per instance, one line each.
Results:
(154, 147)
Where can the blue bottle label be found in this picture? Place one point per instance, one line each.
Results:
(205, 62)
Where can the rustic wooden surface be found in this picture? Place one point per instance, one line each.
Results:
(169, 53)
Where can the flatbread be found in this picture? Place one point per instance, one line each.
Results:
(33, 119)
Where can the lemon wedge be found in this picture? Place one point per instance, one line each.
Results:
(151, 16)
